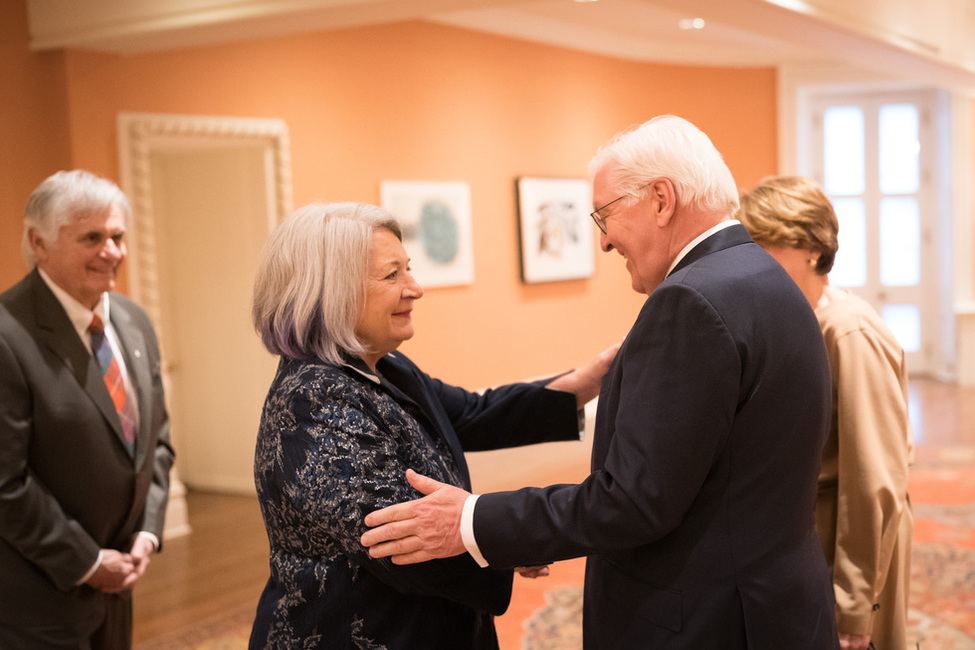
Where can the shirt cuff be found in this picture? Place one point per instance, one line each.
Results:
(467, 531)
(91, 571)
(151, 537)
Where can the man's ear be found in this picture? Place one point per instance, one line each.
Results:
(663, 199)
(37, 244)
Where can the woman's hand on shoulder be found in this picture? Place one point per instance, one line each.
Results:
(584, 382)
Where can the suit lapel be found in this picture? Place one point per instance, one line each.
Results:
(409, 390)
(54, 329)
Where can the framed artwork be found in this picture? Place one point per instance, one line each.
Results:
(554, 229)
(436, 221)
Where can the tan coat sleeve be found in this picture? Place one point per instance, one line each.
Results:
(874, 448)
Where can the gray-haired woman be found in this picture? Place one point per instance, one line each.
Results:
(346, 416)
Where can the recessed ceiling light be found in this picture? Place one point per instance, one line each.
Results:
(691, 23)
(581, 1)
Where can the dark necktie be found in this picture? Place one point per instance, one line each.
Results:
(112, 375)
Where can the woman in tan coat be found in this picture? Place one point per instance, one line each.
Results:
(863, 513)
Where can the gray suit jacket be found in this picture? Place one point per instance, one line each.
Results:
(68, 487)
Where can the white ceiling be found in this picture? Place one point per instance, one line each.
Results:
(931, 41)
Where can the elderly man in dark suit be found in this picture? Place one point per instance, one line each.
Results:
(84, 432)
(697, 518)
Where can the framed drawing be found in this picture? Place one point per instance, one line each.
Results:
(554, 229)
(436, 221)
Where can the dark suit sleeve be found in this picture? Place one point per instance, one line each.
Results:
(31, 519)
(513, 415)
(667, 405)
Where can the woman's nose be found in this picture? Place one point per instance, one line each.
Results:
(413, 288)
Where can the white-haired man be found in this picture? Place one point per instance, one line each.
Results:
(84, 432)
(697, 518)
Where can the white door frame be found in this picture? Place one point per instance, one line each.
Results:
(926, 293)
(141, 135)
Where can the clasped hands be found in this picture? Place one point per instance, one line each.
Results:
(119, 571)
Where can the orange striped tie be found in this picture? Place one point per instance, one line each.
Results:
(112, 375)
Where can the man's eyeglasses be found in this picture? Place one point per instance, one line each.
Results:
(599, 214)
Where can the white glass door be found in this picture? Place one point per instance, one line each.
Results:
(874, 155)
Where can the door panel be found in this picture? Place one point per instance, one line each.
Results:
(874, 155)
(211, 219)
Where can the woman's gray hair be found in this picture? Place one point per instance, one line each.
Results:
(670, 147)
(311, 282)
(61, 197)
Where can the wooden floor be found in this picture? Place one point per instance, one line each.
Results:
(943, 414)
(222, 564)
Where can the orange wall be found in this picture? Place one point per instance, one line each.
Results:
(417, 101)
(33, 129)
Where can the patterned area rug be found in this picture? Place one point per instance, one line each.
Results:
(943, 560)
(942, 614)
(545, 614)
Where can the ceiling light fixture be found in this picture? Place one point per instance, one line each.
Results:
(691, 23)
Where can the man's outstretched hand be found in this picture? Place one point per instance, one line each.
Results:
(421, 530)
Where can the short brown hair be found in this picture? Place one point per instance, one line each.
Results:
(792, 212)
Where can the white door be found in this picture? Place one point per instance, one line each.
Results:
(875, 156)
(211, 212)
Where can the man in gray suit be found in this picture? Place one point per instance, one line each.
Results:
(84, 432)
(697, 518)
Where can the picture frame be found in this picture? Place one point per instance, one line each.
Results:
(437, 234)
(555, 233)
